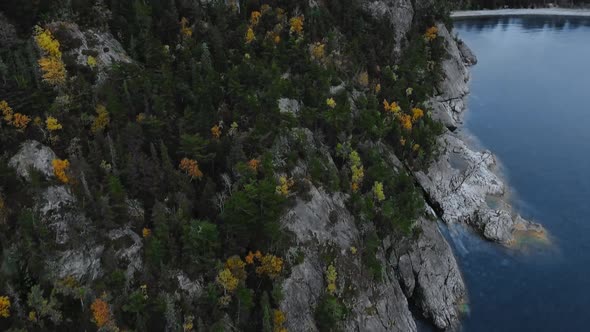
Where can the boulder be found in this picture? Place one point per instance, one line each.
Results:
(33, 155)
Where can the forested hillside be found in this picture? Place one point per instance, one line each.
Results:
(150, 148)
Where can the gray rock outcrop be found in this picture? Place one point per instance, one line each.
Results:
(324, 222)
(101, 45)
(33, 155)
(425, 266)
(79, 250)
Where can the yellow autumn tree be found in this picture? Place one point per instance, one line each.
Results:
(331, 103)
(146, 232)
(102, 119)
(20, 121)
(255, 18)
(296, 25)
(46, 42)
(4, 307)
(52, 124)
(406, 121)
(357, 170)
(377, 88)
(431, 33)
(250, 36)
(191, 168)
(284, 187)
(216, 131)
(392, 107)
(378, 191)
(185, 29)
(278, 321)
(17, 120)
(331, 276)
(227, 281)
(7, 112)
(253, 164)
(91, 61)
(60, 168)
(236, 266)
(101, 312)
(252, 256)
(417, 114)
(52, 66)
(318, 51)
(270, 265)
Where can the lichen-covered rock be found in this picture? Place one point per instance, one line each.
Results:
(33, 155)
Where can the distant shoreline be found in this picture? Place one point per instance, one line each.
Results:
(524, 11)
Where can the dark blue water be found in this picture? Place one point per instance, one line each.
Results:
(530, 105)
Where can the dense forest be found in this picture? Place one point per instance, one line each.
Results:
(185, 122)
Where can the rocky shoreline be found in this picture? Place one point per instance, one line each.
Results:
(461, 182)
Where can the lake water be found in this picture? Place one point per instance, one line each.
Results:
(530, 105)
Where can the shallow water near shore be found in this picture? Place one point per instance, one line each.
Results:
(530, 105)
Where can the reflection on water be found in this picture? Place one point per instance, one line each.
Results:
(528, 24)
(529, 104)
